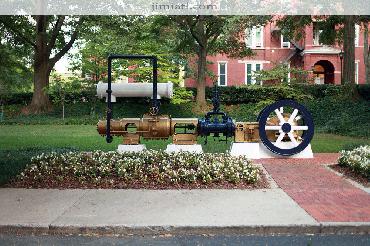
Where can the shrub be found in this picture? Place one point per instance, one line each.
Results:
(148, 166)
(358, 160)
(181, 95)
(343, 117)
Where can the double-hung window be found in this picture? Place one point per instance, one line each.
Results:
(250, 73)
(222, 73)
(285, 43)
(254, 37)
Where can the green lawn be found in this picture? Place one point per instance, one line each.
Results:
(19, 142)
(85, 137)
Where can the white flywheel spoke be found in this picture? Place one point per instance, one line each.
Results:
(299, 128)
(280, 116)
(294, 141)
(272, 128)
(293, 115)
(281, 136)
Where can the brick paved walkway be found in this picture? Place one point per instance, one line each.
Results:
(324, 195)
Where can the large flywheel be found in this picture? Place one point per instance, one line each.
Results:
(285, 127)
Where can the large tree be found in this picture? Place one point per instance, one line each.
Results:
(206, 35)
(48, 38)
(124, 35)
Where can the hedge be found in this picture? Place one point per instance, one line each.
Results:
(228, 95)
(253, 94)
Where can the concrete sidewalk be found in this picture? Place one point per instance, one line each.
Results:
(160, 211)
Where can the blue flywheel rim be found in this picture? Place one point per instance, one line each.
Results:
(307, 134)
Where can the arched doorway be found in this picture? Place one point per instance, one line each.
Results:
(323, 72)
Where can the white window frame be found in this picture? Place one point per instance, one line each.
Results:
(357, 35)
(253, 70)
(218, 72)
(251, 33)
(356, 71)
(284, 43)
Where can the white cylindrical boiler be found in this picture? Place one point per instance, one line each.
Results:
(134, 90)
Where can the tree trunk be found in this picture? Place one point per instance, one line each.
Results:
(201, 77)
(349, 50)
(366, 52)
(202, 63)
(40, 99)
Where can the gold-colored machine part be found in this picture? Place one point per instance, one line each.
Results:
(246, 132)
(151, 127)
(184, 137)
(249, 131)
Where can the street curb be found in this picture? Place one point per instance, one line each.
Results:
(324, 228)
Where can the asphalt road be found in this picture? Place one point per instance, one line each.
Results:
(295, 240)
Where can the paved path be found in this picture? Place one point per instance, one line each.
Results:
(324, 195)
(157, 210)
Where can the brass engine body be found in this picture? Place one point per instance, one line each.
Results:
(152, 127)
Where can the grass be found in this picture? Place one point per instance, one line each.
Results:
(85, 137)
(19, 142)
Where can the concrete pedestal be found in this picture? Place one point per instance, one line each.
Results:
(174, 148)
(258, 150)
(131, 148)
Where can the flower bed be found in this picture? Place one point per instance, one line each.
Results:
(357, 160)
(148, 169)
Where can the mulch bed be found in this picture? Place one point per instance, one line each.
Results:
(348, 173)
(117, 183)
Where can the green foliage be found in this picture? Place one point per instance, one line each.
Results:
(181, 95)
(364, 91)
(256, 93)
(229, 95)
(124, 35)
(280, 73)
(338, 116)
(59, 88)
(15, 74)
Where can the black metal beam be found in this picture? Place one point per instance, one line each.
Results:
(155, 103)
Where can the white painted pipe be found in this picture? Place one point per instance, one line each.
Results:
(134, 90)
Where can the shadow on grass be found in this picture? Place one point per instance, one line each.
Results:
(12, 162)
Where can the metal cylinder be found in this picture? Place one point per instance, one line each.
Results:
(134, 90)
(149, 127)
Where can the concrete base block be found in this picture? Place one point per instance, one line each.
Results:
(258, 150)
(194, 148)
(131, 148)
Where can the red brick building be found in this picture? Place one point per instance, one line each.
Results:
(321, 61)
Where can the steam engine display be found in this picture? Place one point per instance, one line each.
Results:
(284, 127)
